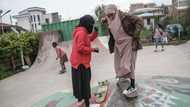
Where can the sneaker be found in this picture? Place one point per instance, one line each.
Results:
(62, 71)
(131, 90)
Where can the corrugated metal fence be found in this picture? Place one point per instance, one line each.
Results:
(65, 28)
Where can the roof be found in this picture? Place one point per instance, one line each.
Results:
(26, 12)
(32, 9)
(150, 14)
(8, 26)
(143, 10)
(182, 7)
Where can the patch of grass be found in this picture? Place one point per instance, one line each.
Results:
(146, 34)
(5, 73)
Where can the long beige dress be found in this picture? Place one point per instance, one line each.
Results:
(125, 57)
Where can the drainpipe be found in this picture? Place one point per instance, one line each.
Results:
(179, 36)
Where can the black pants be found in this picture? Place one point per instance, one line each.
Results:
(81, 83)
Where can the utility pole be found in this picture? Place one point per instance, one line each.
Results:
(178, 11)
(21, 50)
(11, 20)
(1, 17)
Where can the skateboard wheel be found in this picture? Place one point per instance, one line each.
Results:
(98, 94)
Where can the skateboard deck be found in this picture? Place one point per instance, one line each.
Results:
(122, 85)
(101, 91)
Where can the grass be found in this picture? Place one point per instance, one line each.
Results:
(145, 34)
(5, 73)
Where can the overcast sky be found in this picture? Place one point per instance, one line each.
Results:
(67, 8)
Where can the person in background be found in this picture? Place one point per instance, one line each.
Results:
(158, 38)
(165, 37)
(61, 55)
(124, 41)
(80, 58)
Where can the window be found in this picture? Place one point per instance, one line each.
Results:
(38, 18)
(35, 27)
(148, 21)
(32, 27)
(34, 18)
(31, 19)
(47, 21)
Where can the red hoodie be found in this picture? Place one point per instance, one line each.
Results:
(81, 50)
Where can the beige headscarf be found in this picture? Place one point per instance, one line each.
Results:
(116, 28)
(115, 24)
(111, 8)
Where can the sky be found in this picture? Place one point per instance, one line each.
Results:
(67, 8)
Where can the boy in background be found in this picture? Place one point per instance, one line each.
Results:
(61, 55)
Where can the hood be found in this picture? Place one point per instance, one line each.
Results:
(79, 29)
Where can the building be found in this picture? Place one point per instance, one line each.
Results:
(32, 18)
(51, 18)
(151, 13)
(5, 28)
(136, 6)
(179, 7)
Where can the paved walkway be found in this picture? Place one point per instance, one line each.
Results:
(43, 79)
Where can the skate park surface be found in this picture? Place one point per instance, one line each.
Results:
(162, 78)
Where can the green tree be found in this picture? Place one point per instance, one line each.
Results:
(99, 11)
(11, 44)
(187, 17)
(29, 43)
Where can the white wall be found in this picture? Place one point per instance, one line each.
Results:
(24, 22)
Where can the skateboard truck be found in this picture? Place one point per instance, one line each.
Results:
(103, 83)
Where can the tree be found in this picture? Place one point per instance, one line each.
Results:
(29, 43)
(11, 43)
(187, 17)
(99, 11)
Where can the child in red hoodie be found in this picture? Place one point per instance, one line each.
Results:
(81, 58)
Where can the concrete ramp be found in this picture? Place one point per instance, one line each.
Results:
(45, 48)
(43, 86)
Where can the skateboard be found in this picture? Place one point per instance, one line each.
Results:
(101, 91)
(122, 85)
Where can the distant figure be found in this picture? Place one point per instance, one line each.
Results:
(80, 58)
(165, 37)
(61, 55)
(158, 38)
